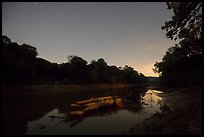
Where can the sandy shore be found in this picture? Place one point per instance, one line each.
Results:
(185, 117)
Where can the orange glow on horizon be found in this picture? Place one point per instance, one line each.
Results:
(146, 70)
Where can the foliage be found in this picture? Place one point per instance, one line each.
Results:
(181, 65)
(186, 21)
(20, 65)
(17, 61)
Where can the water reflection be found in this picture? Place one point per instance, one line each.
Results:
(104, 112)
(28, 114)
(18, 110)
(151, 101)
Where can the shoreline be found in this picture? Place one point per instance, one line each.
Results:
(58, 88)
(185, 104)
(185, 117)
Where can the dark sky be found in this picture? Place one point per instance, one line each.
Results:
(123, 33)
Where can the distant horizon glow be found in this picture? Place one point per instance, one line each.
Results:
(122, 33)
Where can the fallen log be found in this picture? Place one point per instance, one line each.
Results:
(95, 106)
(77, 113)
(93, 100)
(84, 101)
(75, 105)
(62, 117)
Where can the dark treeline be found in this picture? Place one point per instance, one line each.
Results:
(182, 63)
(20, 65)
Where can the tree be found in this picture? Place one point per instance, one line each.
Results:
(93, 72)
(77, 60)
(78, 69)
(103, 76)
(182, 62)
(43, 68)
(6, 40)
(186, 21)
(20, 64)
(186, 25)
(17, 61)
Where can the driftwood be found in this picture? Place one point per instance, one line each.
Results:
(94, 104)
(93, 100)
(75, 105)
(61, 117)
(90, 105)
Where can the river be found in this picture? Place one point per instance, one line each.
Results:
(29, 114)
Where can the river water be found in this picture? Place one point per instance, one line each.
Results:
(30, 114)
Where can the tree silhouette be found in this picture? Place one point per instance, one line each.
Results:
(20, 65)
(6, 40)
(186, 21)
(18, 61)
(181, 65)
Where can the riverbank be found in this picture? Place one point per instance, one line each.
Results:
(185, 117)
(55, 89)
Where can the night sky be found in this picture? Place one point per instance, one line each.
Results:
(122, 33)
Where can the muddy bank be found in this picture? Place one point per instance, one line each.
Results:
(185, 117)
(58, 88)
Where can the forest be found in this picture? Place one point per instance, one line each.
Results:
(20, 65)
(182, 63)
(180, 66)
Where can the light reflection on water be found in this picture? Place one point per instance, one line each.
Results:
(114, 122)
(152, 101)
